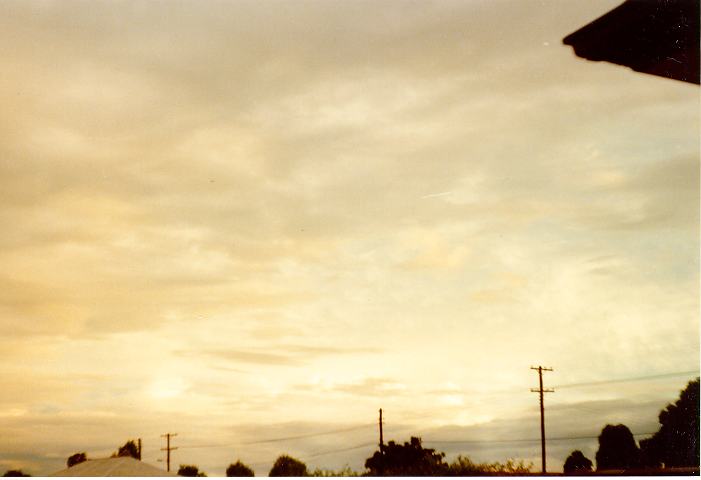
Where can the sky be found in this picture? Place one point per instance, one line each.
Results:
(254, 224)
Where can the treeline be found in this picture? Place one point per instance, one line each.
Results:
(675, 444)
(408, 459)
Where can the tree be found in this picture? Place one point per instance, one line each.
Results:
(409, 460)
(464, 467)
(577, 463)
(617, 448)
(129, 449)
(15, 473)
(286, 466)
(190, 471)
(344, 472)
(676, 443)
(239, 469)
(76, 458)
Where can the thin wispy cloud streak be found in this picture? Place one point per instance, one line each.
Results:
(434, 195)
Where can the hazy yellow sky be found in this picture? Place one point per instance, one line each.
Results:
(244, 221)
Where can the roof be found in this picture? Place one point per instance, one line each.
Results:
(113, 467)
(658, 37)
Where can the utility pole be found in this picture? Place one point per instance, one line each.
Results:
(382, 443)
(168, 448)
(541, 391)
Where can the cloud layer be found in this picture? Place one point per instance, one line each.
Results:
(259, 219)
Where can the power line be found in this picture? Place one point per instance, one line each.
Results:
(320, 454)
(520, 440)
(309, 435)
(421, 415)
(527, 440)
(628, 379)
(282, 439)
(219, 445)
(337, 450)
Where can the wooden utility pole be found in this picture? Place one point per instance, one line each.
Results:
(541, 391)
(168, 448)
(382, 443)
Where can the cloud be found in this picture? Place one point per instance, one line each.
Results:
(283, 354)
(372, 387)
(655, 196)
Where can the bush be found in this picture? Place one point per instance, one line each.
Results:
(286, 466)
(407, 460)
(344, 472)
(577, 463)
(76, 458)
(190, 471)
(239, 469)
(464, 467)
(617, 448)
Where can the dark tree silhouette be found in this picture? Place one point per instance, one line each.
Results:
(239, 469)
(410, 459)
(129, 449)
(617, 449)
(676, 443)
(577, 463)
(15, 473)
(286, 466)
(76, 458)
(190, 471)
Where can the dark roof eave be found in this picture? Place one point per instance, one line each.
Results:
(655, 37)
